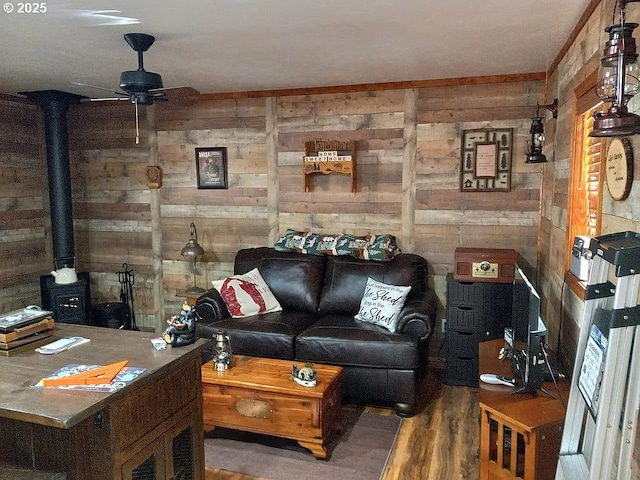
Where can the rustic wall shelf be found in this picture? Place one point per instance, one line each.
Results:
(330, 156)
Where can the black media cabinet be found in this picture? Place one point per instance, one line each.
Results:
(476, 312)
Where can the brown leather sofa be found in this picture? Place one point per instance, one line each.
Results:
(319, 296)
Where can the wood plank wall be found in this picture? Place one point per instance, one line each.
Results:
(580, 59)
(408, 181)
(23, 206)
(111, 202)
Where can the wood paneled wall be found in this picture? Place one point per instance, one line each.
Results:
(23, 205)
(408, 181)
(562, 308)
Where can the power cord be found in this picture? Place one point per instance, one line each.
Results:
(553, 376)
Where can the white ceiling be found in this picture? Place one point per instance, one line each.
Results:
(220, 46)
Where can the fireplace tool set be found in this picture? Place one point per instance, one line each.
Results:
(127, 280)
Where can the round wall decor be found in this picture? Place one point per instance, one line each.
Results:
(619, 168)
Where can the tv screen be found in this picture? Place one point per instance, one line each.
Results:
(529, 363)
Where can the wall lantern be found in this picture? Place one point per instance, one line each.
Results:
(191, 251)
(618, 80)
(536, 139)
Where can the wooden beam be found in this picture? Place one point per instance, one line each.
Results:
(369, 87)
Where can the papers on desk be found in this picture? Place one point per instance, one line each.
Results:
(125, 376)
(61, 345)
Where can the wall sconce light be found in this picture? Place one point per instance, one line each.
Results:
(191, 251)
(536, 139)
(618, 80)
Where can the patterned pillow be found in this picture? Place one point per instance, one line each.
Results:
(381, 304)
(367, 247)
(247, 294)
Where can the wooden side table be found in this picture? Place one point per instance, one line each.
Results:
(519, 434)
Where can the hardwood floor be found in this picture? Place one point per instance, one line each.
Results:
(439, 443)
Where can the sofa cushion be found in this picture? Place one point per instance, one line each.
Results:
(343, 340)
(247, 294)
(294, 279)
(345, 280)
(368, 247)
(381, 304)
(270, 335)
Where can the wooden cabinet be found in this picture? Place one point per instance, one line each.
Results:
(168, 454)
(150, 429)
(519, 434)
(476, 311)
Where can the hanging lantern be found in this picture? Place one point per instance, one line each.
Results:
(536, 141)
(618, 81)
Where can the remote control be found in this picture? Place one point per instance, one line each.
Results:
(498, 379)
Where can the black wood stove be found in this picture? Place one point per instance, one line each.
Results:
(69, 302)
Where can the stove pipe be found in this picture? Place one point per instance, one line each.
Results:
(55, 105)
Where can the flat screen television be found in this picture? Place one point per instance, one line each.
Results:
(529, 363)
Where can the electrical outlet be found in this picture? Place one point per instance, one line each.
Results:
(444, 325)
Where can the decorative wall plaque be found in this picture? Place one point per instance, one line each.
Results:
(330, 156)
(486, 160)
(619, 168)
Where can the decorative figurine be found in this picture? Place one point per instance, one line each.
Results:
(306, 376)
(182, 327)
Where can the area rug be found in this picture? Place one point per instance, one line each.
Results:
(359, 451)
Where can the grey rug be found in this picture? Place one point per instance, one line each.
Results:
(359, 452)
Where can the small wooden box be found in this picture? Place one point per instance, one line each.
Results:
(485, 264)
(258, 395)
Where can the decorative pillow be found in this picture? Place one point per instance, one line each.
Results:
(382, 303)
(247, 294)
(366, 247)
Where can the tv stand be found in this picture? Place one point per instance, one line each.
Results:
(519, 434)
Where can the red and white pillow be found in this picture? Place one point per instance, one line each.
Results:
(247, 294)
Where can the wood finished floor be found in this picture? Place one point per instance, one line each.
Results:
(439, 443)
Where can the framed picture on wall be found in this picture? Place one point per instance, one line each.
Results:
(211, 167)
(485, 164)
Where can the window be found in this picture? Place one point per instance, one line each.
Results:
(586, 176)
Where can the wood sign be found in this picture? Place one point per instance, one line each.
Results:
(324, 156)
(486, 160)
(619, 168)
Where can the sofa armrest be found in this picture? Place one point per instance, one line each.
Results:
(210, 307)
(417, 318)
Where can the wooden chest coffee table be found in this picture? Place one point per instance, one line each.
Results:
(258, 395)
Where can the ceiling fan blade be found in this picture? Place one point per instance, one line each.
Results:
(175, 92)
(177, 95)
(112, 99)
(124, 94)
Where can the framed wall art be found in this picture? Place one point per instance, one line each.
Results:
(211, 167)
(486, 160)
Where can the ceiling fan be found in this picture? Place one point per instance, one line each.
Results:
(140, 86)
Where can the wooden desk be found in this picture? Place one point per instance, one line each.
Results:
(519, 434)
(152, 425)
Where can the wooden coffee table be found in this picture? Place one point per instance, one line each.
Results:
(258, 395)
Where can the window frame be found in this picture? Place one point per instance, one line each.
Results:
(585, 102)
